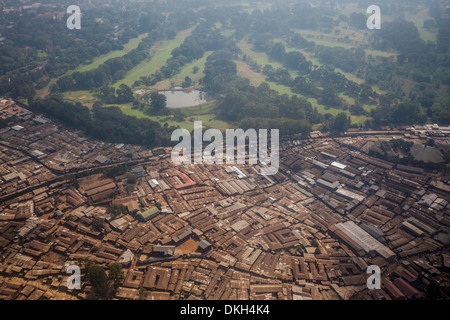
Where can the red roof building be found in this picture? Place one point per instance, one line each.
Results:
(394, 291)
(187, 182)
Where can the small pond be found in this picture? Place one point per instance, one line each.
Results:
(183, 99)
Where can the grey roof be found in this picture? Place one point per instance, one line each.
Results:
(204, 244)
(365, 240)
(166, 250)
(426, 154)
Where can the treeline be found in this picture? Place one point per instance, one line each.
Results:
(106, 124)
(116, 68)
(285, 125)
(110, 95)
(39, 48)
(348, 60)
(294, 60)
(240, 100)
(311, 80)
(406, 113)
(220, 69)
(111, 70)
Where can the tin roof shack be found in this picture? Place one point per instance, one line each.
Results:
(184, 235)
(165, 251)
(204, 245)
(147, 214)
(138, 171)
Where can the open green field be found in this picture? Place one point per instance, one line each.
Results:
(41, 54)
(198, 113)
(350, 76)
(261, 58)
(159, 54)
(418, 20)
(187, 71)
(84, 97)
(132, 44)
(354, 38)
(257, 78)
(319, 38)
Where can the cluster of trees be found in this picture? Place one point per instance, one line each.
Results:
(295, 40)
(220, 69)
(260, 106)
(114, 171)
(104, 285)
(348, 60)
(336, 124)
(404, 113)
(116, 209)
(285, 125)
(107, 124)
(332, 84)
(293, 60)
(110, 95)
(325, 76)
(158, 103)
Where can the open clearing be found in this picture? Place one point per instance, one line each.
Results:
(199, 113)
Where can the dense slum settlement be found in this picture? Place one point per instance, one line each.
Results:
(337, 206)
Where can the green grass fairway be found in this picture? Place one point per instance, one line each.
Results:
(84, 97)
(159, 55)
(187, 71)
(132, 44)
(257, 78)
(260, 58)
(418, 20)
(198, 113)
(350, 76)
